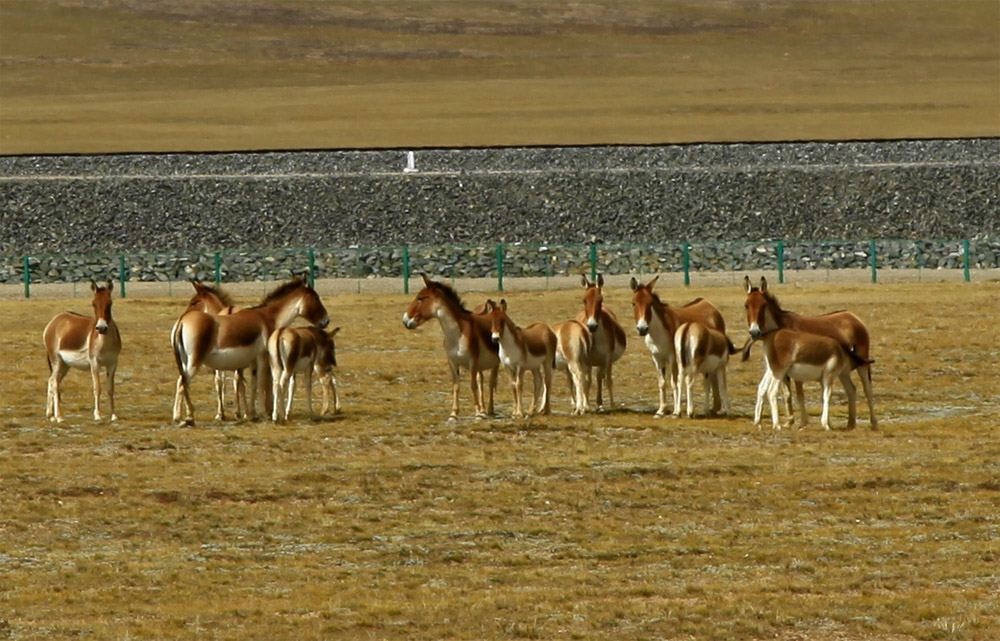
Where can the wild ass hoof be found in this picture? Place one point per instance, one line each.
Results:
(114, 417)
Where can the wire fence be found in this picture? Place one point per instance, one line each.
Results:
(505, 261)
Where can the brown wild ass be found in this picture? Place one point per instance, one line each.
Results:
(573, 345)
(531, 348)
(212, 300)
(706, 351)
(608, 340)
(765, 314)
(239, 340)
(83, 342)
(658, 322)
(302, 350)
(802, 357)
(467, 341)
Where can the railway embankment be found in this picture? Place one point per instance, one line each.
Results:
(248, 202)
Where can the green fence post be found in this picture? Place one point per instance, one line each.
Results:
(500, 268)
(312, 268)
(218, 269)
(874, 260)
(965, 259)
(121, 273)
(781, 261)
(27, 278)
(687, 263)
(593, 263)
(406, 270)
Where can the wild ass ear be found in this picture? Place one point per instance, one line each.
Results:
(503, 305)
(600, 280)
(634, 284)
(747, 285)
(584, 281)
(427, 281)
(333, 332)
(93, 285)
(763, 284)
(650, 284)
(107, 286)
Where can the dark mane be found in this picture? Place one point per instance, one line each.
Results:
(656, 299)
(222, 295)
(449, 293)
(771, 298)
(281, 291)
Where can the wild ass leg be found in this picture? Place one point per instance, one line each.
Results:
(493, 386)
(454, 391)
(279, 384)
(600, 389)
(675, 386)
(335, 392)
(220, 395)
(309, 394)
(183, 407)
(852, 400)
(477, 393)
(111, 390)
(95, 374)
(762, 390)
(661, 383)
(547, 389)
(611, 387)
(723, 384)
(865, 372)
(772, 398)
(800, 397)
(827, 393)
(517, 389)
(716, 394)
(684, 384)
(289, 395)
(54, 401)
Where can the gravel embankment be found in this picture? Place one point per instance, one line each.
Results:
(340, 199)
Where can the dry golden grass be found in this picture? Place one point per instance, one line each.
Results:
(387, 522)
(86, 76)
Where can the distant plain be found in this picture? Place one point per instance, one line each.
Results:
(86, 76)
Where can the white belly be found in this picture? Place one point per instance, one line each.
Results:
(802, 372)
(78, 358)
(233, 358)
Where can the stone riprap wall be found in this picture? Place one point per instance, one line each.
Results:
(248, 205)
(517, 261)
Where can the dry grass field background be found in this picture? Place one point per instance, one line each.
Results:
(387, 522)
(89, 76)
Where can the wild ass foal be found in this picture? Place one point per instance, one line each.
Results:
(531, 348)
(764, 314)
(658, 322)
(573, 345)
(607, 336)
(706, 351)
(239, 340)
(467, 340)
(802, 356)
(83, 342)
(302, 350)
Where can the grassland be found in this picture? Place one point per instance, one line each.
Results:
(387, 522)
(84, 76)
